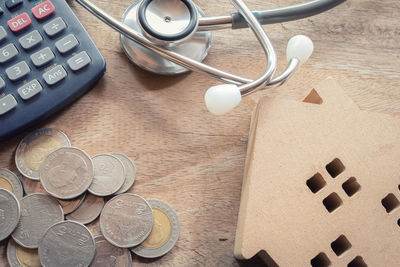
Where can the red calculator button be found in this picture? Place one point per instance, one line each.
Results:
(19, 22)
(43, 10)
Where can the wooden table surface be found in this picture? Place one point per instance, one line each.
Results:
(194, 160)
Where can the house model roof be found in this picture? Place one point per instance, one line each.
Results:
(321, 183)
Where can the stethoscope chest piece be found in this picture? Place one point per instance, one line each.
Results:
(168, 23)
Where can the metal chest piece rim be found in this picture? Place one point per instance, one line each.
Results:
(184, 40)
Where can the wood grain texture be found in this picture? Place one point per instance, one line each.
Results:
(194, 160)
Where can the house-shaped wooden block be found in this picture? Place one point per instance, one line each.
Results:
(321, 184)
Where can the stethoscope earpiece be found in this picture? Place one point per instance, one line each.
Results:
(300, 47)
(221, 99)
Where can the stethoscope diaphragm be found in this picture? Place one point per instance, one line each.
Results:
(168, 22)
(195, 46)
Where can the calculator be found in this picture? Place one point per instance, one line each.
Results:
(47, 60)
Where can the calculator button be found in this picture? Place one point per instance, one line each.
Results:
(18, 71)
(43, 10)
(42, 57)
(55, 26)
(3, 33)
(66, 44)
(7, 52)
(19, 22)
(2, 83)
(30, 40)
(29, 90)
(10, 4)
(7, 103)
(54, 75)
(79, 61)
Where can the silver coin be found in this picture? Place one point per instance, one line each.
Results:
(88, 211)
(68, 206)
(66, 173)
(130, 172)
(10, 182)
(67, 244)
(12, 254)
(165, 232)
(109, 175)
(9, 213)
(126, 220)
(18, 256)
(34, 148)
(38, 213)
(109, 255)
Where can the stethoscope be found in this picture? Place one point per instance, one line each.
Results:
(174, 36)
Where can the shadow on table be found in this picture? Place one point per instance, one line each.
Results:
(256, 261)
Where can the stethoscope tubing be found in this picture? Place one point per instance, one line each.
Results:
(246, 86)
(266, 44)
(271, 16)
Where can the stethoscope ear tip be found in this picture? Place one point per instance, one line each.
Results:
(221, 99)
(300, 47)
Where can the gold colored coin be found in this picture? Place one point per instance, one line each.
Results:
(27, 257)
(165, 232)
(161, 230)
(34, 148)
(38, 149)
(5, 184)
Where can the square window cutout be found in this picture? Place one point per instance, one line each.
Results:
(351, 186)
(335, 167)
(321, 260)
(316, 183)
(340, 245)
(390, 203)
(357, 262)
(332, 202)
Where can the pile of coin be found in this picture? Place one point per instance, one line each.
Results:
(66, 189)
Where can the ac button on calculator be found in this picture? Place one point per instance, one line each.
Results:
(47, 60)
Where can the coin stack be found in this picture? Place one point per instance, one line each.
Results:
(66, 189)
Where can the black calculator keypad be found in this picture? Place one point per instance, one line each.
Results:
(47, 60)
